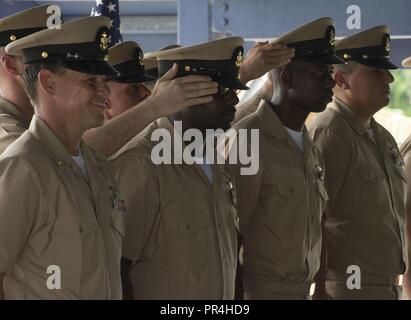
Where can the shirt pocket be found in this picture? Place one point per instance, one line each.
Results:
(278, 204)
(287, 188)
(367, 197)
(75, 224)
(186, 241)
(371, 174)
(74, 245)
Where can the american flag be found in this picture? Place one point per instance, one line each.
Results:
(110, 9)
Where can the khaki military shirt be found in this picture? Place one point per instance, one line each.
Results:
(181, 229)
(366, 184)
(53, 215)
(280, 210)
(12, 124)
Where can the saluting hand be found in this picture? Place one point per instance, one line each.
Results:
(174, 95)
(262, 57)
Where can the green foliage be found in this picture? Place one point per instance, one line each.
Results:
(401, 91)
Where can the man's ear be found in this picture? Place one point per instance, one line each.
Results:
(287, 77)
(46, 81)
(341, 79)
(10, 65)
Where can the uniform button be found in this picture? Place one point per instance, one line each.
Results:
(59, 162)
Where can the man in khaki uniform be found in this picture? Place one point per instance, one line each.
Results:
(127, 89)
(364, 222)
(151, 66)
(61, 215)
(137, 73)
(406, 154)
(268, 56)
(181, 231)
(16, 110)
(172, 94)
(280, 207)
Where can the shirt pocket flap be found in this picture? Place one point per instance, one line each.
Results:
(287, 188)
(75, 224)
(187, 222)
(371, 174)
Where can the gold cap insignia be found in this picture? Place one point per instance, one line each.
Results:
(239, 59)
(13, 37)
(332, 38)
(387, 44)
(104, 41)
(44, 55)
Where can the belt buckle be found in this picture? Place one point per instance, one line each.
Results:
(312, 289)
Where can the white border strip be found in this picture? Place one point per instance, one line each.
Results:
(405, 37)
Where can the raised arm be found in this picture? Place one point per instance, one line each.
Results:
(168, 97)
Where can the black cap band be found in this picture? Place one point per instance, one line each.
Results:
(96, 51)
(320, 49)
(222, 71)
(215, 69)
(79, 52)
(374, 56)
(9, 36)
